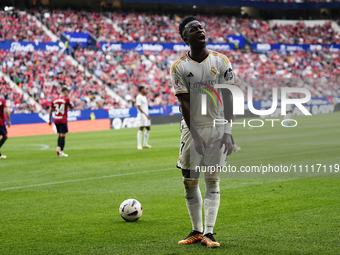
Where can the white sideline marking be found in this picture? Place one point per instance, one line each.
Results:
(85, 179)
(43, 146)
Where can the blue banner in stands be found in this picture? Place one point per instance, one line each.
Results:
(236, 39)
(263, 47)
(31, 46)
(73, 115)
(153, 111)
(74, 38)
(161, 46)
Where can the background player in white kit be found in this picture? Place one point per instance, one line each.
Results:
(144, 118)
(195, 76)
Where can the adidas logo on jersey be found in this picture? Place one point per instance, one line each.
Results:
(190, 75)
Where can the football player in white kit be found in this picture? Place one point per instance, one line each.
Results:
(144, 119)
(195, 76)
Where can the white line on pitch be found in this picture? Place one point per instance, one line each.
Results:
(43, 146)
(85, 179)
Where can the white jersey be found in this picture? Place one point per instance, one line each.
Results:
(189, 76)
(143, 103)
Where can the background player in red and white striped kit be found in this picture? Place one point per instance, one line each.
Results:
(3, 130)
(59, 106)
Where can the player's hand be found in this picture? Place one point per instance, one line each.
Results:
(149, 118)
(200, 145)
(50, 123)
(9, 124)
(228, 144)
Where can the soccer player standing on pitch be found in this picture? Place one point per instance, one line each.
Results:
(59, 106)
(3, 130)
(195, 76)
(144, 118)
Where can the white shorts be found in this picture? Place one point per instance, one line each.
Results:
(189, 159)
(144, 121)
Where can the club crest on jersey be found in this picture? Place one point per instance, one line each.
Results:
(213, 70)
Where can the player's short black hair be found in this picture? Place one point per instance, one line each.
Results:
(140, 88)
(64, 88)
(183, 23)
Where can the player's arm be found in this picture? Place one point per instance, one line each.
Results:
(50, 115)
(140, 109)
(71, 105)
(184, 100)
(227, 78)
(182, 93)
(8, 115)
(228, 115)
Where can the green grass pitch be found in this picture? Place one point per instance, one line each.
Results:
(51, 205)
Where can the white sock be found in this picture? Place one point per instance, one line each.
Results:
(211, 203)
(146, 137)
(139, 137)
(194, 203)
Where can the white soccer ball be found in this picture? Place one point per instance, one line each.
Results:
(130, 210)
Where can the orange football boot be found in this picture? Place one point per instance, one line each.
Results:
(210, 241)
(193, 237)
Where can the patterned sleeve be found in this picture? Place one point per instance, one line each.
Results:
(226, 74)
(177, 81)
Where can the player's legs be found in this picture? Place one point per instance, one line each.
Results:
(211, 202)
(146, 137)
(193, 195)
(193, 199)
(62, 129)
(3, 133)
(2, 141)
(213, 158)
(139, 138)
(287, 117)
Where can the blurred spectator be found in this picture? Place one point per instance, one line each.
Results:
(16, 26)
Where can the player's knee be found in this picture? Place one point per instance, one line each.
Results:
(6, 137)
(190, 181)
(190, 174)
(191, 188)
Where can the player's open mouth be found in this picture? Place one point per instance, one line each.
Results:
(201, 38)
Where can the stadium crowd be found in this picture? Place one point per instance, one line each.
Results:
(16, 26)
(14, 100)
(41, 75)
(148, 27)
(125, 71)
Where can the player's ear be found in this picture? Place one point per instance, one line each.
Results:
(185, 39)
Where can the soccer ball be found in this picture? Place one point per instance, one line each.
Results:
(130, 210)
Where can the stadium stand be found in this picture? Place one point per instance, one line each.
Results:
(142, 27)
(131, 27)
(40, 73)
(17, 26)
